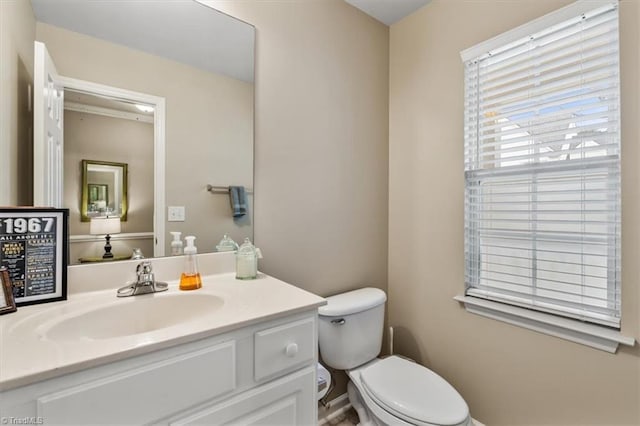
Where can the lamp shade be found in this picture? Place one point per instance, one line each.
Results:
(104, 226)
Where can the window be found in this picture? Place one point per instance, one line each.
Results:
(542, 165)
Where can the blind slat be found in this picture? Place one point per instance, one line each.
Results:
(596, 315)
(585, 62)
(552, 52)
(564, 284)
(602, 91)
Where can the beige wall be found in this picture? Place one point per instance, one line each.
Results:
(102, 138)
(17, 34)
(508, 375)
(209, 126)
(321, 142)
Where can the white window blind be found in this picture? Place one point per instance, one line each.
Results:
(542, 168)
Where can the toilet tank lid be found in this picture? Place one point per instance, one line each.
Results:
(352, 302)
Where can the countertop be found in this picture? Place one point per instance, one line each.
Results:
(27, 355)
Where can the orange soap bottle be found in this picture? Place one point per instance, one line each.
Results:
(190, 278)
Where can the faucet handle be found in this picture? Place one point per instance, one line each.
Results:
(144, 272)
(143, 267)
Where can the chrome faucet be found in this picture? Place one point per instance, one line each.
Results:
(145, 282)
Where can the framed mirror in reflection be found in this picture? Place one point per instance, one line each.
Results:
(104, 190)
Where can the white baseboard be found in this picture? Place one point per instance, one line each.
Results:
(335, 408)
(476, 423)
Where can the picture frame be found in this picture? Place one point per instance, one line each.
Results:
(34, 250)
(104, 190)
(7, 304)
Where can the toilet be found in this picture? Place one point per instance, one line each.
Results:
(383, 391)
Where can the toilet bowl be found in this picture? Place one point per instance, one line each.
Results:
(383, 391)
(394, 391)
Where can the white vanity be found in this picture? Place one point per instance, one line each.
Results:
(239, 352)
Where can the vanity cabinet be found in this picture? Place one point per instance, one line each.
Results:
(263, 373)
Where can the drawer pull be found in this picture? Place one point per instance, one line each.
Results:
(291, 350)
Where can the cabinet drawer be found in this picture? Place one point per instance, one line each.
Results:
(145, 394)
(283, 348)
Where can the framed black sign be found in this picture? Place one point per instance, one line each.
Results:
(33, 248)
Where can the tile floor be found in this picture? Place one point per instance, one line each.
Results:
(349, 418)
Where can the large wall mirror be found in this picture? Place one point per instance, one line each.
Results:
(202, 67)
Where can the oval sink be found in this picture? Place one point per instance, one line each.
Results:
(135, 315)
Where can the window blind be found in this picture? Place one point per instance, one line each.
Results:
(542, 169)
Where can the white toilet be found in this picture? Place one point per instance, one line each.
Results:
(387, 391)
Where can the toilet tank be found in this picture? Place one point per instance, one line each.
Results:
(350, 328)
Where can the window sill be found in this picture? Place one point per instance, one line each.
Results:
(575, 331)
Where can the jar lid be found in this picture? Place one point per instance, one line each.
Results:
(247, 247)
(227, 244)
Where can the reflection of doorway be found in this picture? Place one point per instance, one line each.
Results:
(105, 142)
(48, 159)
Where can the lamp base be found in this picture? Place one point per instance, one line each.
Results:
(107, 248)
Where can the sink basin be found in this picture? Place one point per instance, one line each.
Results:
(134, 315)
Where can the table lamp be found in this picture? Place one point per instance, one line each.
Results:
(105, 226)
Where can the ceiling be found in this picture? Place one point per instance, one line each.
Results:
(213, 41)
(184, 31)
(388, 11)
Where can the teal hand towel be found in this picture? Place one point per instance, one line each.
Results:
(238, 198)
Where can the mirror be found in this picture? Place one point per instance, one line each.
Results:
(104, 190)
(202, 66)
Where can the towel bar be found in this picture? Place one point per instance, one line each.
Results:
(224, 189)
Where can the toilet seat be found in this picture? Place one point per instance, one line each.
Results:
(413, 393)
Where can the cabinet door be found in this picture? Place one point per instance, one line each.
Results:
(287, 401)
(144, 394)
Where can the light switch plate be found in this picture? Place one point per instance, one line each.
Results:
(176, 214)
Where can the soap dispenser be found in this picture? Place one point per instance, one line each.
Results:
(176, 244)
(247, 261)
(190, 278)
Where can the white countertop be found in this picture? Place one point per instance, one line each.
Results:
(28, 356)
